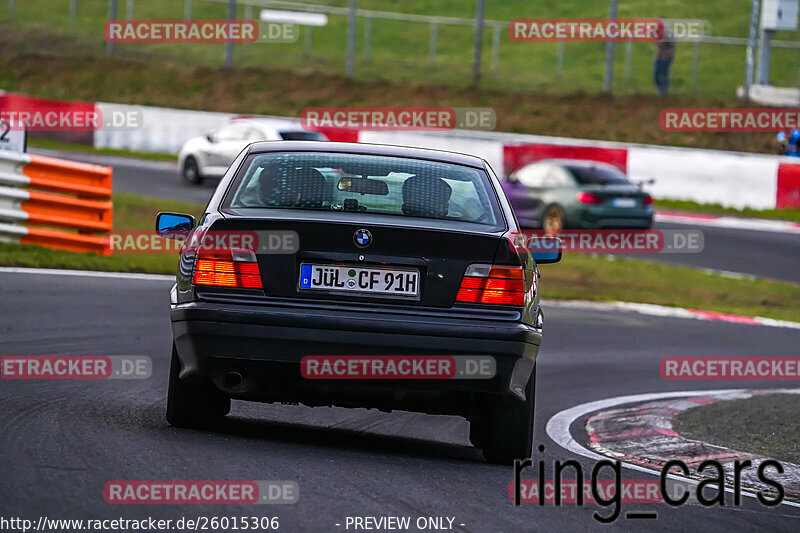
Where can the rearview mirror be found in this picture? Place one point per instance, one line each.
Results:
(363, 186)
(171, 225)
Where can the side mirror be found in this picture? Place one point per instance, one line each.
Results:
(547, 250)
(170, 225)
(210, 138)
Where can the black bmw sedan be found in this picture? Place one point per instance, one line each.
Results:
(373, 276)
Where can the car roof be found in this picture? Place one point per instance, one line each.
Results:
(270, 123)
(368, 149)
(575, 163)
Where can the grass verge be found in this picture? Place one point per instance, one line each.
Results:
(131, 212)
(64, 70)
(578, 276)
(602, 278)
(399, 51)
(765, 425)
(792, 215)
(74, 147)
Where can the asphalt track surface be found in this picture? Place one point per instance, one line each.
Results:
(756, 253)
(61, 441)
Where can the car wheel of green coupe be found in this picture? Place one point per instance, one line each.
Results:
(553, 219)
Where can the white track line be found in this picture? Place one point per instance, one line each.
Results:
(667, 311)
(558, 427)
(754, 224)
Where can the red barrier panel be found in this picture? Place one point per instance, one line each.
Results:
(518, 155)
(20, 103)
(788, 194)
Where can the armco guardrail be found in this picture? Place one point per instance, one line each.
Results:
(55, 203)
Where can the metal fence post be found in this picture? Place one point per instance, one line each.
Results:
(229, 45)
(495, 47)
(248, 14)
(351, 40)
(433, 43)
(73, 12)
(751, 41)
(309, 37)
(476, 53)
(367, 37)
(628, 59)
(764, 57)
(609, 75)
(187, 9)
(695, 64)
(129, 9)
(560, 59)
(11, 9)
(112, 15)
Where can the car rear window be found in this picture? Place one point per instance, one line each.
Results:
(374, 184)
(597, 175)
(302, 136)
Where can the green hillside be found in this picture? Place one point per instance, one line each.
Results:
(399, 51)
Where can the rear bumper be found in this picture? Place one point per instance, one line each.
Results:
(607, 217)
(265, 344)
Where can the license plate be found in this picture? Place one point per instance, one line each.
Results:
(360, 279)
(623, 202)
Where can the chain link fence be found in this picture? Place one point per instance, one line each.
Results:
(414, 47)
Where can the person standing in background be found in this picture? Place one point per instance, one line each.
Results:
(789, 145)
(665, 53)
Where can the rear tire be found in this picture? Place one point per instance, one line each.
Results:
(506, 431)
(191, 405)
(191, 171)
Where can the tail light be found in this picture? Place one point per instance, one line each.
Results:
(491, 284)
(647, 200)
(227, 268)
(589, 198)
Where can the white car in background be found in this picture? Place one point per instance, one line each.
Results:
(210, 156)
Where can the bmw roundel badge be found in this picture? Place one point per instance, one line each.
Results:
(362, 238)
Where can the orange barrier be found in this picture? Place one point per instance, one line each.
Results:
(78, 198)
(72, 242)
(65, 212)
(70, 177)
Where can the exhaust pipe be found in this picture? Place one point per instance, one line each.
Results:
(233, 378)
